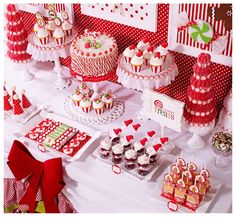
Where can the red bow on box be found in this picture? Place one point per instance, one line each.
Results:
(46, 175)
(191, 23)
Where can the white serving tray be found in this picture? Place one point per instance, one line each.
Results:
(95, 134)
(132, 173)
(205, 204)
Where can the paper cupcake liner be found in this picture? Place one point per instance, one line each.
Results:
(44, 41)
(109, 105)
(136, 68)
(60, 41)
(76, 103)
(155, 69)
(164, 57)
(68, 32)
(86, 109)
(50, 32)
(128, 59)
(99, 111)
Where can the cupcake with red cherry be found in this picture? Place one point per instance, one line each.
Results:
(156, 63)
(137, 61)
(163, 50)
(77, 97)
(107, 98)
(147, 54)
(129, 52)
(84, 89)
(98, 106)
(144, 44)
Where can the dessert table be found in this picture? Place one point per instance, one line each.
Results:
(92, 186)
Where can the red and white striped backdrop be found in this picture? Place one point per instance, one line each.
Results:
(199, 11)
(126, 35)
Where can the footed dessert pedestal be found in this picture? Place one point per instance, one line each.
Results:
(146, 78)
(52, 52)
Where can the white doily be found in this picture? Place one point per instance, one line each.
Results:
(145, 78)
(91, 118)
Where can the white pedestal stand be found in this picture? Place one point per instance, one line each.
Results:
(196, 141)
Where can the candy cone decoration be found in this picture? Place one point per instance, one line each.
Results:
(25, 101)
(13, 91)
(17, 106)
(17, 36)
(5, 90)
(7, 105)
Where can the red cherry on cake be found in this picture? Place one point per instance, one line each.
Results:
(150, 49)
(165, 44)
(157, 54)
(139, 54)
(87, 45)
(143, 141)
(132, 47)
(145, 40)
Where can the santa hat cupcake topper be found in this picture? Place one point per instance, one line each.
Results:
(128, 122)
(117, 131)
(143, 141)
(136, 127)
(129, 138)
(157, 147)
(150, 134)
(164, 140)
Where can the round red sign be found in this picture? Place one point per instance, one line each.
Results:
(158, 104)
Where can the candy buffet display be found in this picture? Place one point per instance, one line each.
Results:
(146, 66)
(106, 107)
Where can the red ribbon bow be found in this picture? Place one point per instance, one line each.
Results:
(46, 175)
(191, 23)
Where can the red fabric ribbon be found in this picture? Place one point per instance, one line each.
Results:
(191, 23)
(46, 175)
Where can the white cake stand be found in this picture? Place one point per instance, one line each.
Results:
(52, 52)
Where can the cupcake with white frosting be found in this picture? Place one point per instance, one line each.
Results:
(67, 28)
(86, 105)
(59, 36)
(36, 29)
(108, 100)
(50, 26)
(130, 159)
(147, 54)
(117, 153)
(137, 61)
(163, 49)
(76, 98)
(129, 52)
(156, 63)
(84, 89)
(143, 45)
(98, 106)
(43, 36)
(105, 148)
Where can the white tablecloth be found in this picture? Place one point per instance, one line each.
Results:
(97, 188)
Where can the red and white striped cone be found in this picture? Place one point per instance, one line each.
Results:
(109, 105)
(128, 59)
(86, 109)
(99, 111)
(44, 40)
(18, 110)
(7, 105)
(155, 69)
(68, 32)
(136, 68)
(60, 41)
(25, 101)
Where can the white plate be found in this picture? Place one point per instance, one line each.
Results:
(132, 173)
(95, 134)
(205, 204)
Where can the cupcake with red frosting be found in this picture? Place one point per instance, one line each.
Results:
(137, 61)
(143, 45)
(156, 63)
(147, 54)
(129, 52)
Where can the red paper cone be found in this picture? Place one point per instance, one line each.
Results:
(17, 107)
(7, 105)
(25, 101)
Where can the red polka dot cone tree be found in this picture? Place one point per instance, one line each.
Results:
(200, 111)
(17, 39)
(7, 105)
(18, 110)
(25, 101)
(5, 90)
